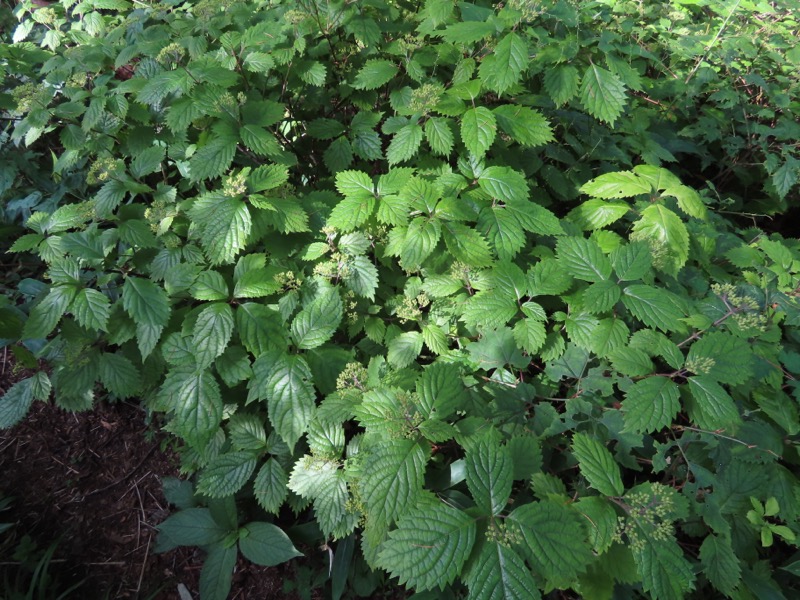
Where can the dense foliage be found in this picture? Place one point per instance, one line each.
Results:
(484, 295)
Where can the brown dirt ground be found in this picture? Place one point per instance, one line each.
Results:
(93, 480)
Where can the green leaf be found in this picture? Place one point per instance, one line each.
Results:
(530, 335)
(189, 527)
(665, 572)
(265, 544)
(622, 184)
(392, 478)
(209, 285)
(374, 74)
(510, 60)
(226, 474)
(632, 261)
(555, 540)
(489, 310)
(260, 328)
(602, 94)
(601, 296)
(596, 214)
(562, 83)
(212, 332)
(489, 475)
(16, 403)
(213, 159)
(439, 136)
(405, 348)
(497, 349)
(257, 283)
(688, 200)
(267, 177)
(524, 125)
(420, 241)
(478, 130)
(147, 161)
(91, 309)
(224, 224)
(651, 404)
(597, 465)
(196, 402)
(119, 376)
(711, 407)
(355, 184)
(246, 432)
(440, 390)
(722, 356)
(317, 322)
(631, 361)
(362, 277)
(497, 572)
(269, 486)
(504, 184)
(653, 306)
(667, 236)
(429, 546)
(720, 564)
(583, 259)
(46, 314)
(290, 398)
(217, 573)
(351, 212)
(145, 301)
(405, 144)
(467, 245)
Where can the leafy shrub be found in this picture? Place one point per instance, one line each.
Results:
(420, 270)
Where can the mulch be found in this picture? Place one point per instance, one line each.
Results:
(92, 481)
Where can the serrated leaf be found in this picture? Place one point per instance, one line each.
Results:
(213, 159)
(510, 60)
(596, 214)
(209, 285)
(212, 332)
(16, 403)
(260, 328)
(651, 404)
(374, 74)
(562, 83)
(440, 390)
(351, 212)
(631, 361)
(653, 307)
(727, 358)
(688, 200)
(362, 277)
(419, 241)
(91, 309)
(225, 225)
(429, 546)
(119, 376)
(46, 314)
(355, 184)
(489, 475)
(257, 283)
(392, 479)
(226, 474)
(266, 545)
(632, 261)
(583, 259)
(267, 177)
(439, 136)
(611, 333)
(597, 465)
(711, 407)
(317, 322)
(665, 572)
(145, 301)
(489, 310)
(196, 402)
(405, 348)
(269, 486)
(664, 231)
(504, 184)
(246, 432)
(555, 540)
(524, 125)
(601, 296)
(720, 564)
(499, 573)
(467, 245)
(602, 94)
(622, 184)
(290, 398)
(478, 130)
(405, 144)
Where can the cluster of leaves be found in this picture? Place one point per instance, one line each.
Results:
(417, 271)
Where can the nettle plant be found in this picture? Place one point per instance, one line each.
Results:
(400, 270)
